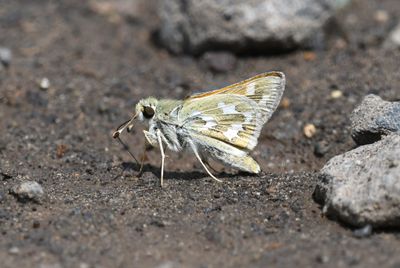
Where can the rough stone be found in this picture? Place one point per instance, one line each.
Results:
(373, 118)
(362, 186)
(193, 26)
(28, 191)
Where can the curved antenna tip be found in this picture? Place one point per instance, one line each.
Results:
(115, 134)
(121, 128)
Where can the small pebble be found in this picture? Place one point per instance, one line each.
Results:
(285, 103)
(61, 150)
(28, 190)
(5, 56)
(322, 258)
(14, 250)
(44, 83)
(36, 224)
(336, 94)
(83, 265)
(309, 130)
(363, 232)
(393, 40)
(50, 265)
(167, 264)
(321, 148)
(309, 56)
(1, 196)
(158, 223)
(381, 16)
(340, 43)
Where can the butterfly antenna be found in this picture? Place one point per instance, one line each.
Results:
(127, 124)
(127, 148)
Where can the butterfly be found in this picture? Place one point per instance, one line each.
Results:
(222, 124)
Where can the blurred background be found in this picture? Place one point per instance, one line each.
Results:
(72, 71)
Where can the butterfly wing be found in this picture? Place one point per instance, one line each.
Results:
(234, 114)
(265, 89)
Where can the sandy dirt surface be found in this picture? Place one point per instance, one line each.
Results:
(97, 213)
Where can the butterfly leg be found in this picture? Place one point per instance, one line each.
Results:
(151, 138)
(142, 160)
(202, 163)
(156, 141)
(162, 157)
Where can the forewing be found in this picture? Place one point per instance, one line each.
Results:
(264, 89)
(237, 113)
(233, 119)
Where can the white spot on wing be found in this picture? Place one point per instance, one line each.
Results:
(227, 109)
(251, 89)
(263, 101)
(210, 121)
(233, 131)
(210, 124)
(248, 116)
(195, 113)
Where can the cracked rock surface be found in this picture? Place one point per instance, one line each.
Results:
(362, 186)
(374, 118)
(193, 26)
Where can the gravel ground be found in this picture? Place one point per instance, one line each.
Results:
(96, 213)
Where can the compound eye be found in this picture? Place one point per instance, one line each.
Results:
(148, 112)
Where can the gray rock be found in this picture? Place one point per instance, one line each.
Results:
(373, 118)
(28, 191)
(362, 186)
(193, 26)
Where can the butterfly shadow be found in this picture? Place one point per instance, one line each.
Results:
(133, 168)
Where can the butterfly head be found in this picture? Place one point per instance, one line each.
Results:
(146, 109)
